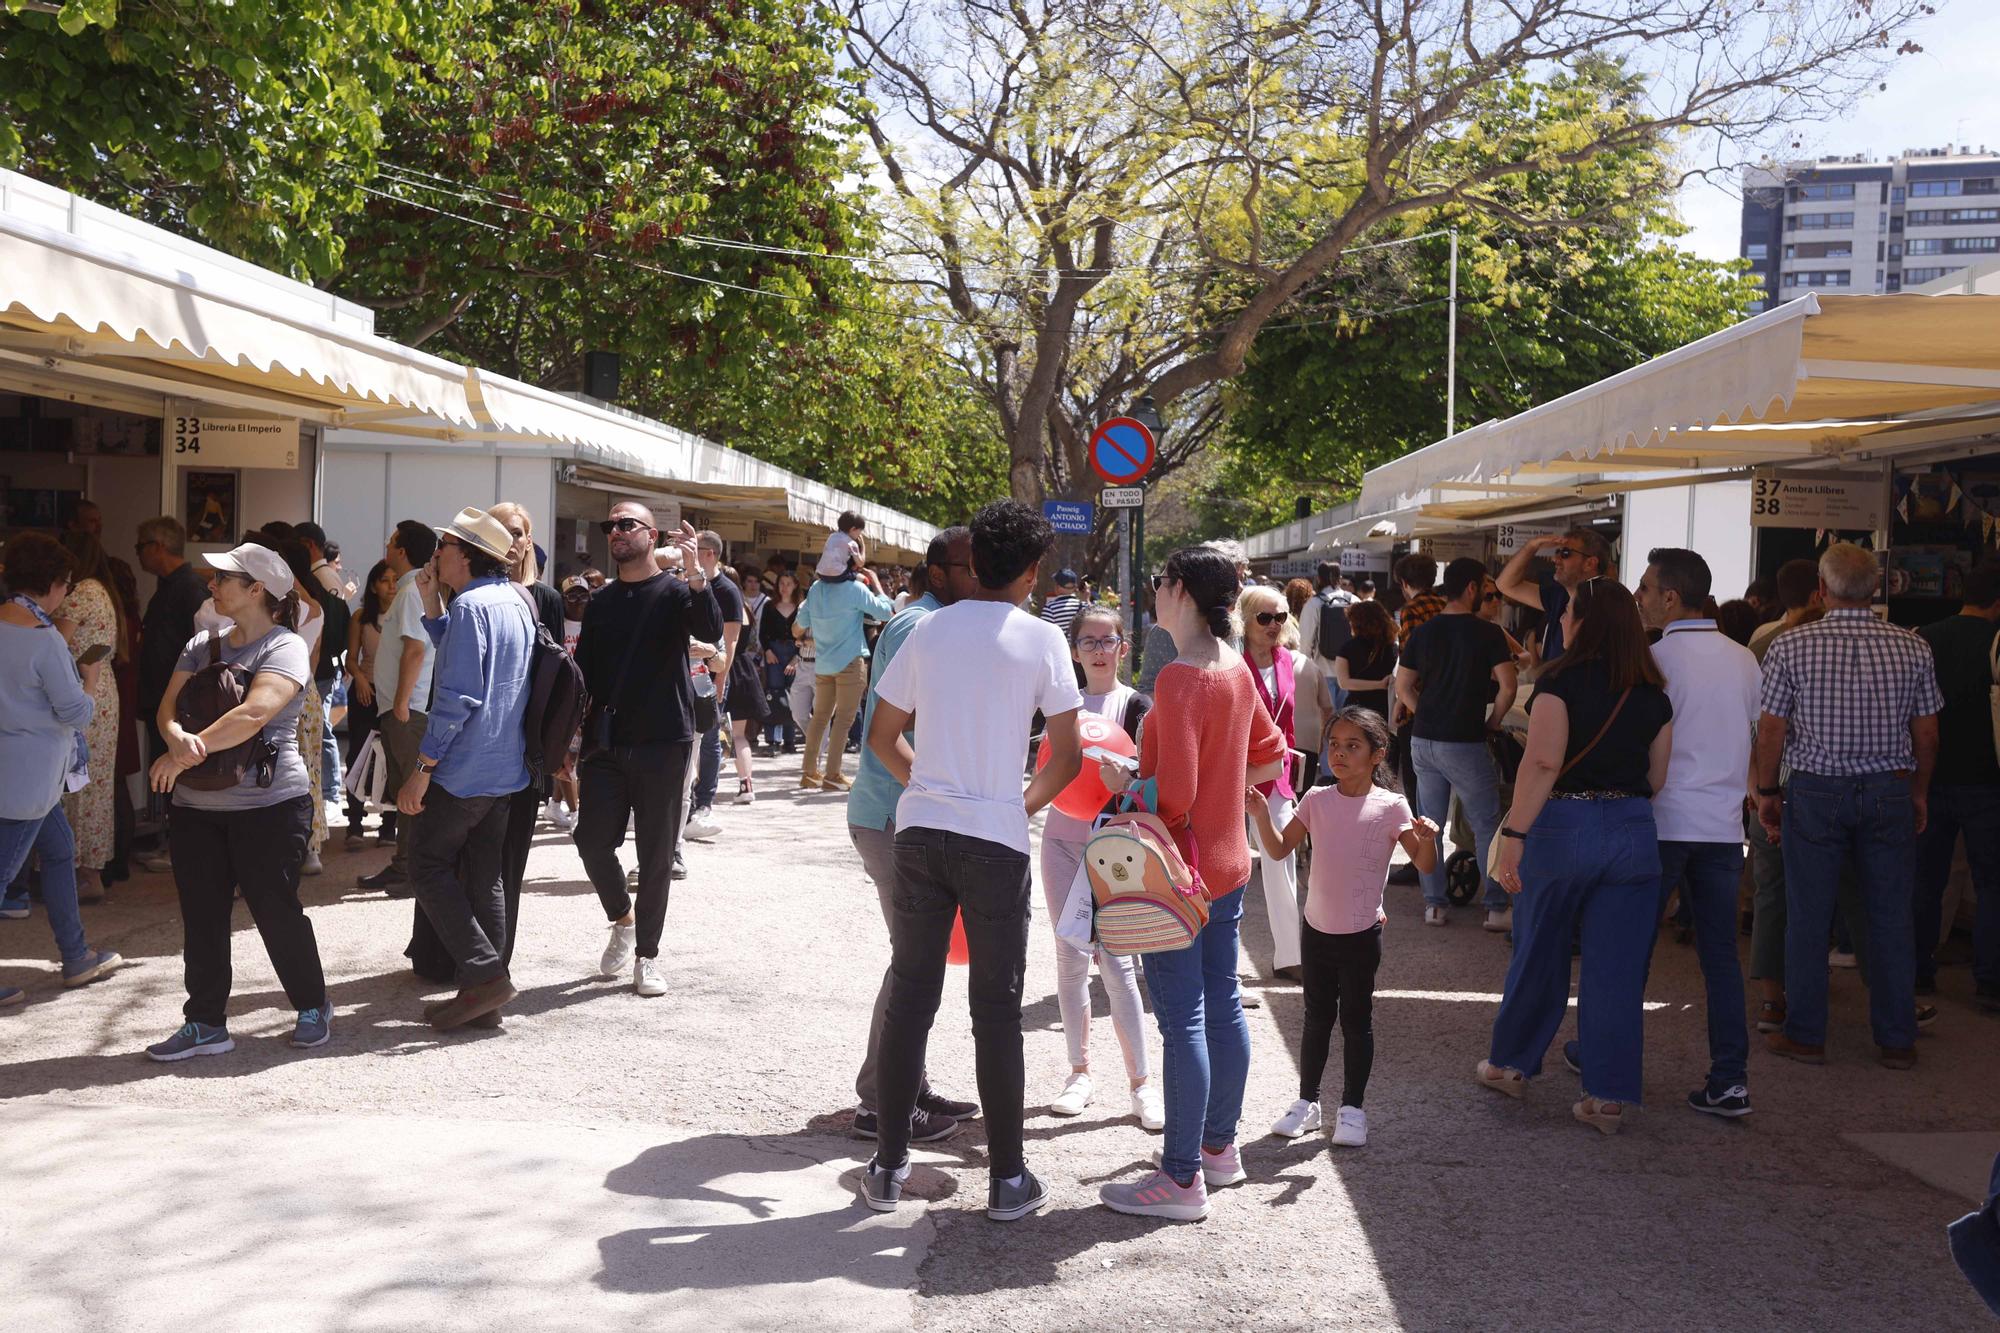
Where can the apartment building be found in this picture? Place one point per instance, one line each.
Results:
(1864, 224)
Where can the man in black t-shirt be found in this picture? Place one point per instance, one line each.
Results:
(639, 735)
(1965, 786)
(1453, 664)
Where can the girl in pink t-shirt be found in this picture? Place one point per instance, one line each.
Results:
(1355, 825)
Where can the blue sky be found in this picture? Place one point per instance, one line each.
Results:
(1948, 93)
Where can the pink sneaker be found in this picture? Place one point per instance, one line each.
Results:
(1217, 1168)
(1158, 1195)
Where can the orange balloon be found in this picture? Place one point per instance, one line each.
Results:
(958, 952)
(1086, 793)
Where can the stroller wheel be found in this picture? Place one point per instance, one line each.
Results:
(1461, 878)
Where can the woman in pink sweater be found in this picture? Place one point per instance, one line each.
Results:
(1205, 738)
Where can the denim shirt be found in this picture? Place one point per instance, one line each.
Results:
(485, 643)
(872, 802)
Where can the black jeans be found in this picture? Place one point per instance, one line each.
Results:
(1339, 986)
(455, 852)
(644, 783)
(215, 854)
(939, 875)
(524, 808)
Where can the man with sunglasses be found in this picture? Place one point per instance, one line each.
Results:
(1577, 555)
(639, 735)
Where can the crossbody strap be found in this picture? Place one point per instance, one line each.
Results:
(1577, 758)
(631, 651)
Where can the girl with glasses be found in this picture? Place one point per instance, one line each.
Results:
(1098, 648)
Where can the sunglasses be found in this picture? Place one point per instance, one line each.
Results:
(1158, 579)
(611, 525)
(1269, 618)
(1100, 645)
(1565, 552)
(1490, 597)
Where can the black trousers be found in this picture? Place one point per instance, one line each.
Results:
(646, 784)
(1339, 986)
(360, 726)
(455, 854)
(524, 808)
(940, 875)
(216, 853)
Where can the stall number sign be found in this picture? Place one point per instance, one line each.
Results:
(1448, 547)
(1835, 503)
(1355, 560)
(1511, 537)
(198, 440)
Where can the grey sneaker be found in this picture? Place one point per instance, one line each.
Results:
(97, 963)
(314, 1027)
(1011, 1203)
(191, 1040)
(881, 1188)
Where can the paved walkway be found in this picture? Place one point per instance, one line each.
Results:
(683, 1163)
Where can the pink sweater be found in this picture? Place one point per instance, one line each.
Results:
(1206, 730)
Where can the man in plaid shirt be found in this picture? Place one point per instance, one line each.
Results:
(1850, 703)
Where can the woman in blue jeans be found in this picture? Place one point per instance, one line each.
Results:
(1207, 735)
(44, 706)
(1579, 846)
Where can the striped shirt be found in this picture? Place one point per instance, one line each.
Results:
(1849, 686)
(1062, 610)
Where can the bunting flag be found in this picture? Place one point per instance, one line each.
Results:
(1903, 507)
(1955, 494)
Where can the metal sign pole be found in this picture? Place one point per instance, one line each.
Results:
(1127, 594)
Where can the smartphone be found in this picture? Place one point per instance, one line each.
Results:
(1104, 756)
(94, 654)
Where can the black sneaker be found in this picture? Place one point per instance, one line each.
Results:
(1403, 874)
(389, 879)
(1573, 1057)
(1732, 1102)
(924, 1127)
(950, 1108)
(1927, 1014)
(680, 870)
(881, 1188)
(1011, 1203)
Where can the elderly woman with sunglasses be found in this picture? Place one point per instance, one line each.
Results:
(1579, 847)
(1289, 686)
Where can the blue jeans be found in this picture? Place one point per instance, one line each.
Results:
(1708, 873)
(1598, 861)
(50, 836)
(709, 772)
(1867, 821)
(1975, 812)
(1464, 767)
(1206, 1055)
(330, 772)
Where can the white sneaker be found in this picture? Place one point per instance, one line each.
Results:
(1501, 920)
(647, 979)
(1434, 916)
(1302, 1118)
(1350, 1129)
(702, 826)
(1150, 1106)
(313, 865)
(566, 818)
(618, 950)
(745, 795)
(1075, 1096)
(1836, 958)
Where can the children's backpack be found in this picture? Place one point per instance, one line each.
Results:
(1148, 900)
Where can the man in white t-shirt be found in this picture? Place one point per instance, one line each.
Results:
(402, 682)
(971, 677)
(1713, 683)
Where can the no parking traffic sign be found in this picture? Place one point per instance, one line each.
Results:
(1122, 451)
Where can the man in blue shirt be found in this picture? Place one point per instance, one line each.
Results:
(1579, 554)
(472, 760)
(871, 822)
(834, 611)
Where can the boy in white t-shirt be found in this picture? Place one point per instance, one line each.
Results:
(973, 676)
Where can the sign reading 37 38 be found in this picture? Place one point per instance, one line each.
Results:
(1824, 500)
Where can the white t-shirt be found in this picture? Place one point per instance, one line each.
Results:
(572, 631)
(973, 674)
(1713, 684)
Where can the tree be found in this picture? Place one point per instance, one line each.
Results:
(251, 125)
(1067, 168)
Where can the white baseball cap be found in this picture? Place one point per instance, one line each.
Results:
(258, 563)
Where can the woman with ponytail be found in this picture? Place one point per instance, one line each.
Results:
(250, 836)
(1205, 738)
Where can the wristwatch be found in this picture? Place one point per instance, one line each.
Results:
(427, 766)
(1506, 832)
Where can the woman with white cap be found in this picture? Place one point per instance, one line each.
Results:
(249, 835)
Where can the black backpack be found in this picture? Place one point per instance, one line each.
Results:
(557, 700)
(218, 688)
(1334, 631)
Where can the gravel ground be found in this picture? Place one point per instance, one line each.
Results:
(1465, 1210)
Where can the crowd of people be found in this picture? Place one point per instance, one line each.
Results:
(1661, 734)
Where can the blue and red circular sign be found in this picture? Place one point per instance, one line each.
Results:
(1122, 451)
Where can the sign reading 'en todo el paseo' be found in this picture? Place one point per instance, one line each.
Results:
(1829, 500)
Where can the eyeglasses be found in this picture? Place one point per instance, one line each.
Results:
(240, 577)
(611, 525)
(1269, 618)
(1490, 597)
(1094, 645)
(1565, 552)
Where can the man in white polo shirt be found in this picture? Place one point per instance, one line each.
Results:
(1713, 683)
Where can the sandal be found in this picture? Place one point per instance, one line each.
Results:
(1603, 1116)
(1510, 1081)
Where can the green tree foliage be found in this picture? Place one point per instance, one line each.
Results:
(249, 125)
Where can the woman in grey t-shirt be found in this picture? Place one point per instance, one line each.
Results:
(251, 836)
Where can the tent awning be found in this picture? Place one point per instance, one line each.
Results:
(1812, 381)
(79, 306)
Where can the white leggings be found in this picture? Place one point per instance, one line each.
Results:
(1121, 984)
